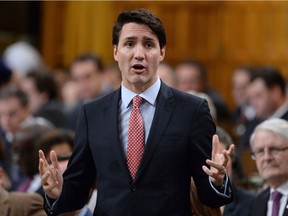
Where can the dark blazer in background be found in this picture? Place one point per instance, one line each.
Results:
(242, 203)
(179, 142)
(260, 204)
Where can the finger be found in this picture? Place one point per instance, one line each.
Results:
(54, 160)
(42, 163)
(226, 158)
(219, 174)
(206, 170)
(231, 150)
(215, 144)
(41, 167)
(215, 165)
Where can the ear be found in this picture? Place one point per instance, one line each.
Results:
(276, 92)
(162, 53)
(115, 52)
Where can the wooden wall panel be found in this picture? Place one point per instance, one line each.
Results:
(222, 35)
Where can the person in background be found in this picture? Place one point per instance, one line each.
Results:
(44, 102)
(113, 78)
(267, 96)
(145, 168)
(243, 200)
(25, 146)
(192, 75)
(244, 112)
(269, 146)
(87, 71)
(167, 74)
(15, 203)
(14, 115)
(19, 204)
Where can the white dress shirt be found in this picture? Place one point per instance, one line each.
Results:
(147, 110)
(283, 201)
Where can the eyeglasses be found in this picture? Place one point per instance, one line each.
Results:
(272, 151)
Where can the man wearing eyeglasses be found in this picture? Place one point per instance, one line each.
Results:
(269, 145)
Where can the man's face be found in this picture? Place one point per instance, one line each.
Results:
(138, 54)
(36, 98)
(188, 78)
(271, 165)
(260, 99)
(12, 114)
(240, 83)
(88, 79)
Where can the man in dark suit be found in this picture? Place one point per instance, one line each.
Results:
(173, 144)
(269, 144)
(267, 96)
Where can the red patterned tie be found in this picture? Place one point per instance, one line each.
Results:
(135, 137)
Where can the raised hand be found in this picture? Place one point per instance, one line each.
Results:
(51, 175)
(218, 162)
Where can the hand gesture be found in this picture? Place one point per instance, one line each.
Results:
(218, 162)
(51, 175)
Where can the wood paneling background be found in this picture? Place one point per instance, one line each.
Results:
(222, 35)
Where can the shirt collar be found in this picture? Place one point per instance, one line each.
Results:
(149, 94)
(282, 188)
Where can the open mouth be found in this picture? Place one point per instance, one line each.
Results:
(138, 67)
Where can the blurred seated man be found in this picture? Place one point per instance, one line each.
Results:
(267, 96)
(243, 111)
(42, 91)
(167, 74)
(14, 114)
(192, 75)
(269, 145)
(87, 71)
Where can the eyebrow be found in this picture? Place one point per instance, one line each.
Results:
(145, 38)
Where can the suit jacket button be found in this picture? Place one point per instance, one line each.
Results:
(133, 188)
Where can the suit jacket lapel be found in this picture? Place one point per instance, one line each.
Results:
(164, 108)
(110, 113)
(262, 200)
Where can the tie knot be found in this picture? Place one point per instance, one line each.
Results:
(137, 101)
(276, 196)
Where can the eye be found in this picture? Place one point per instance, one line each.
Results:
(149, 45)
(259, 152)
(129, 44)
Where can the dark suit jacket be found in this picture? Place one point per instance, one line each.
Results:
(241, 205)
(20, 204)
(179, 142)
(260, 204)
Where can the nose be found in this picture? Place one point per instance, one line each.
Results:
(139, 52)
(267, 154)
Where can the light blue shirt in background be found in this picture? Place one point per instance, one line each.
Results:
(147, 110)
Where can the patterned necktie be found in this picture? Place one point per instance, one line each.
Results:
(135, 137)
(276, 196)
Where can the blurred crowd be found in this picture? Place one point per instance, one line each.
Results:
(39, 108)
